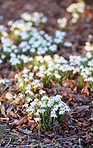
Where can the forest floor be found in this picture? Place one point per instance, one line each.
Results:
(78, 133)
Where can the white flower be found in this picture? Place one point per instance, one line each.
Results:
(53, 115)
(21, 84)
(44, 98)
(50, 103)
(57, 98)
(88, 55)
(57, 75)
(3, 56)
(89, 79)
(68, 44)
(30, 109)
(1, 61)
(25, 75)
(37, 119)
(42, 92)
(61, 112)
(27, 92)
(29, 99)
(62, 22)
(25, 105)
(21, 95)
(28, 87)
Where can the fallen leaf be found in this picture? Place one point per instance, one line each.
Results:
(9, 96)
(27, 132)
(47, 141)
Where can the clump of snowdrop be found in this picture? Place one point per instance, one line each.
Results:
(76, 9)
(25, 40)
(19, 61)
(77, 60)
(3, 30)
(36, 18)
(56, 69)
(34, 42)
(89, 46)
(87, 74)
(62, 22)
(47, 110)
(27, 83)
(59, 37)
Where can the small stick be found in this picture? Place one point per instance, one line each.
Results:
(8, 143)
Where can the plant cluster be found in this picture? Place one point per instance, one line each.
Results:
(58, 69)
(76, 9)
(27, 44)
(47, 110)
(25, 39)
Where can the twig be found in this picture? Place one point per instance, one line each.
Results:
(8, 143)
(6, 119)
(4, 89)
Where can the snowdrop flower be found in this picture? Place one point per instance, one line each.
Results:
(68, 44)
(57, 98)
(3, 56)
(21, 84)
(26, 70)
(90, 63)
(30, 59)
(35, 67)
(53, 115)
(57, 75)
(26, 79)
(89, 55)
(76, 70)
(42, 92)
(29, 99)
(61, 111)
(28, 87)
(13, 55)
(25, 105)
(1, 61)
(30, 109)
(24, 75)
(3, 29)
(27, 91)
(44, 19)
(50, 103)
(89, 79)
(44, 98)
(21, 95)
(33, 103)
(37, 119)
